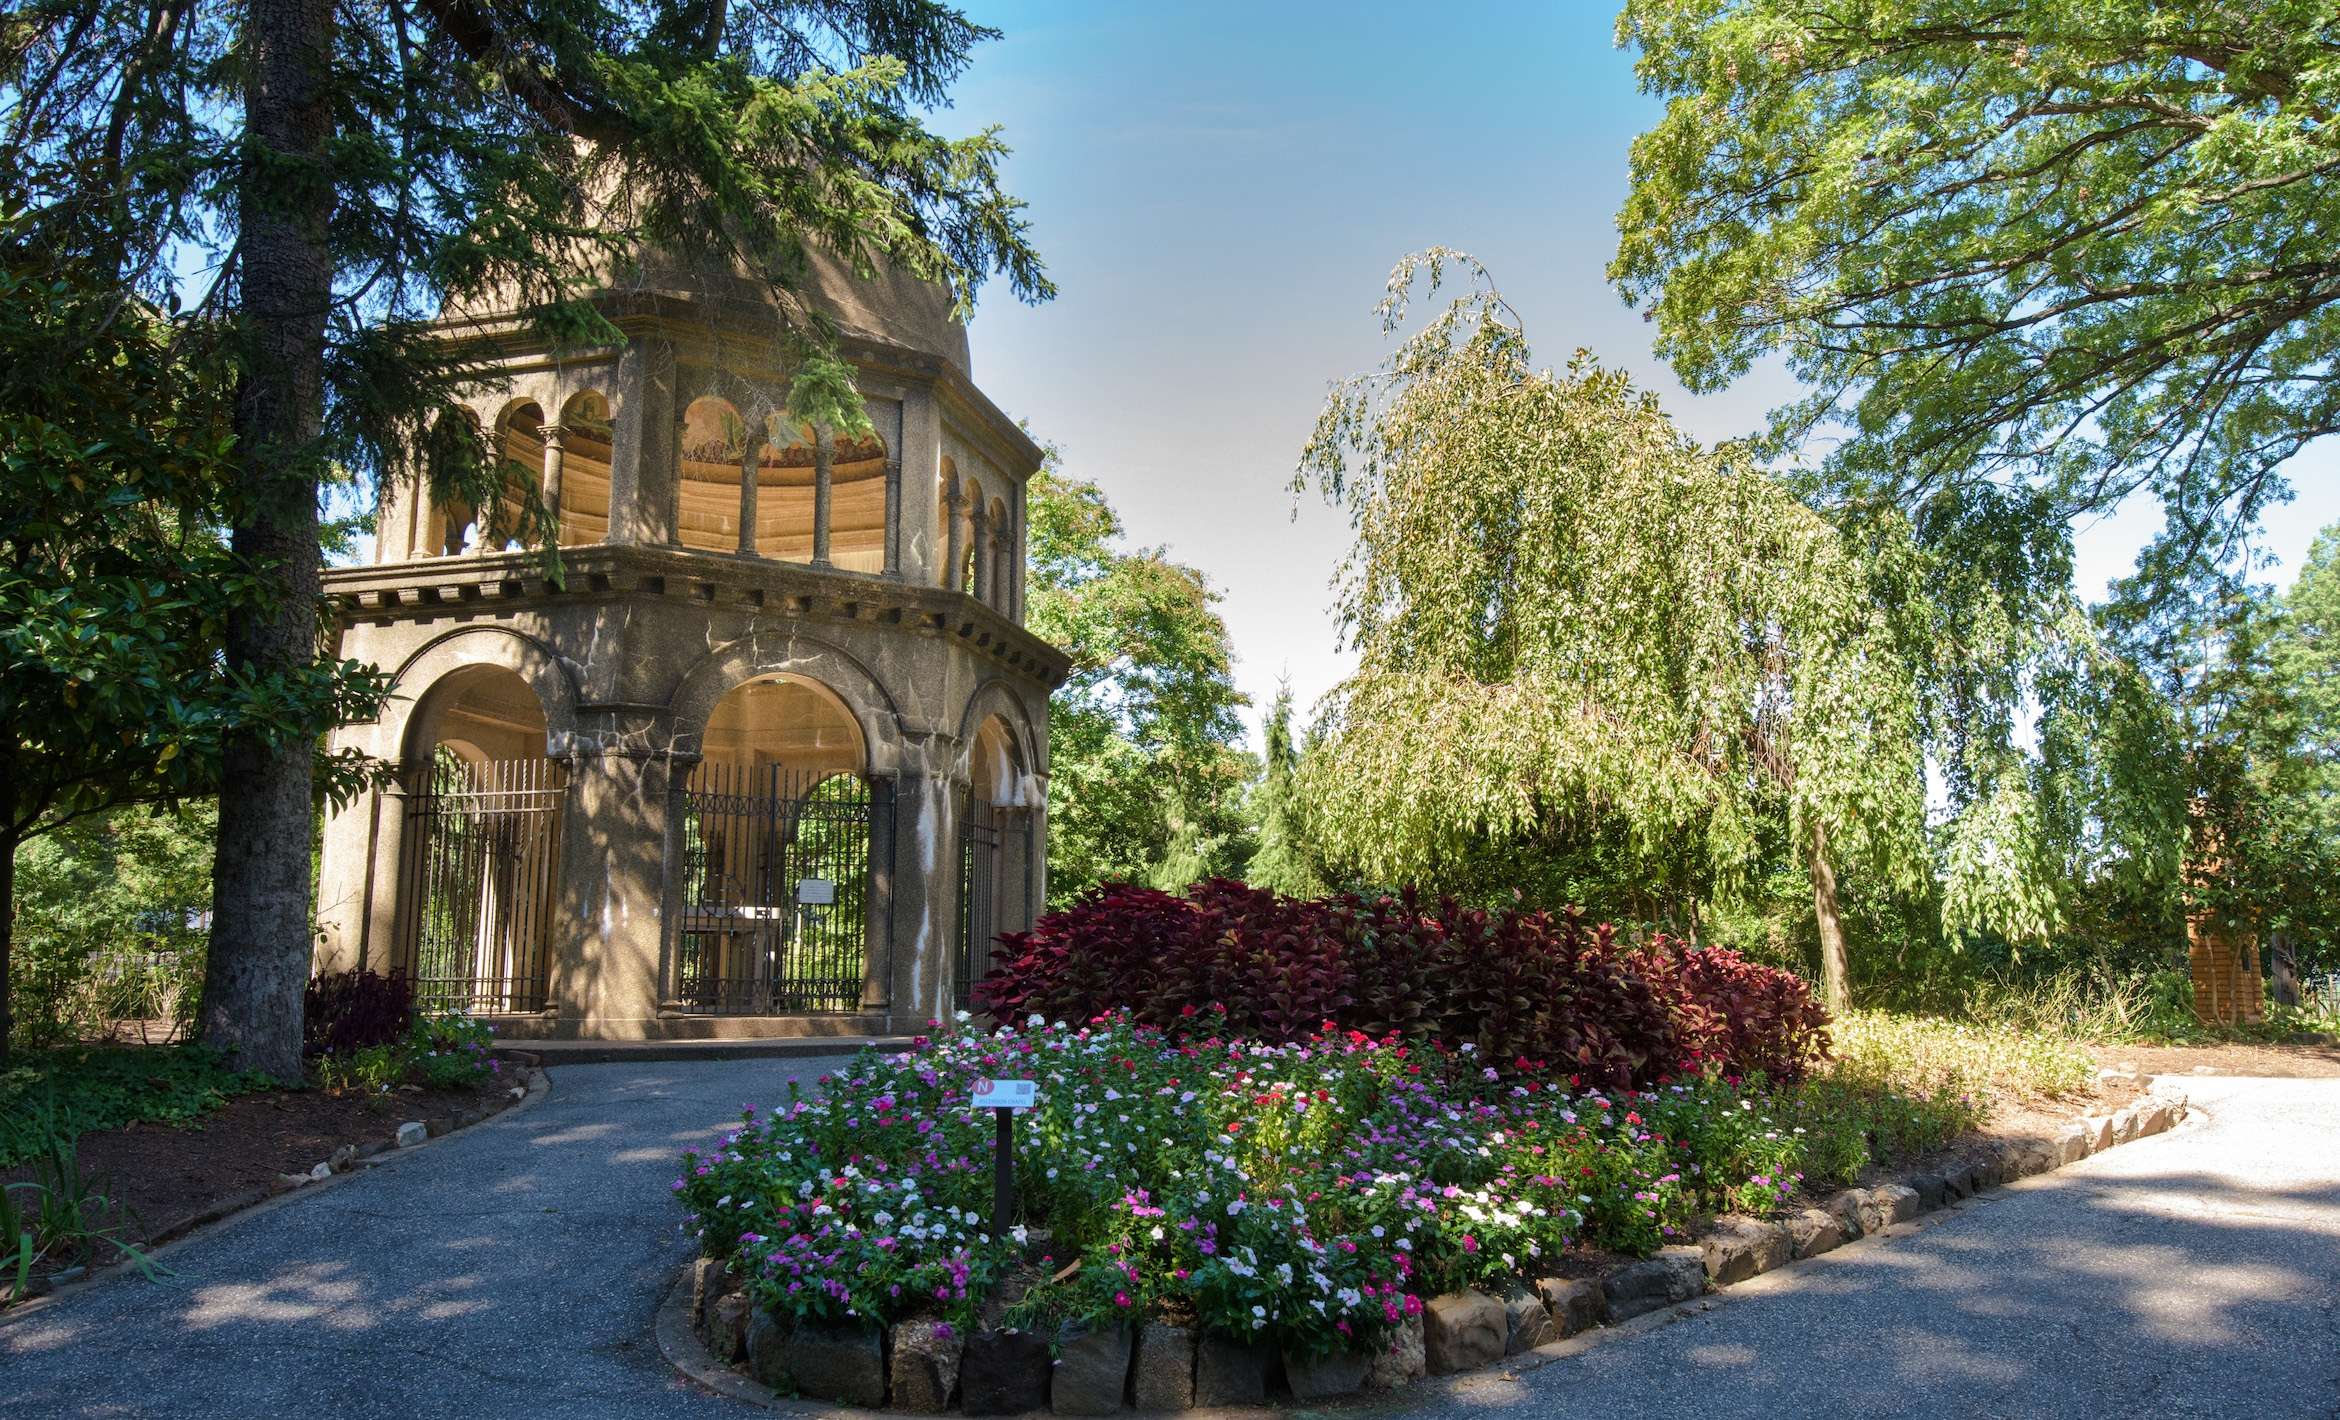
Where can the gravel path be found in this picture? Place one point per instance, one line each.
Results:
(512, 1270)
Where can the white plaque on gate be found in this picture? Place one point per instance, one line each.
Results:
(815, 892)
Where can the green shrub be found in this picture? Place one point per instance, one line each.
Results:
(108, 924)
(436, 1052)
(61, 1094)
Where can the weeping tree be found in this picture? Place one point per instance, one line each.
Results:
(331, 182)
(1573, 624)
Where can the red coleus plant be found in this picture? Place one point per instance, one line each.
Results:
(1524, 990)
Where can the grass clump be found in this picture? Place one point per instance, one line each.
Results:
(1966, 1062)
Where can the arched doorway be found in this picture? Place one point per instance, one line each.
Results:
(995, 852)
(778, 825)
(480, 853)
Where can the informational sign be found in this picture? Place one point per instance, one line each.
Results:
(815, 892)
(1006, 1094)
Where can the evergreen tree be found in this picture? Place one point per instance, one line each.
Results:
(1281, 860)
(333, 181)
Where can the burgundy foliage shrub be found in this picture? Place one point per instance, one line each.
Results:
(1741, 1014)
(350, 1010)
(1526, 990)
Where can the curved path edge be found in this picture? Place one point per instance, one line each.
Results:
(237, 1207)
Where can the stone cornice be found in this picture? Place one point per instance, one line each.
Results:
(434, 586)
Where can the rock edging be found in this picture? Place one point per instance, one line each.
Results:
(711, 1333)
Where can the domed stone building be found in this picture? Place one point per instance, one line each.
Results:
(770, 757)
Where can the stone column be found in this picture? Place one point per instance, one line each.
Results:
(1003, 542)
(955, 548)
(1017, 552)
(646, 447)
(749, 483)
(925, 898)
(395, 516)
(553, 454)
(877, 979)
(356, 893)
(608, 944)
(890, 429)
(918, 446)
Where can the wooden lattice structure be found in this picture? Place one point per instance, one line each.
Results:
(2228, 988)
(2221, 954)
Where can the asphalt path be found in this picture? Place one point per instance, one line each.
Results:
(513, 1270)
(2195, 1273)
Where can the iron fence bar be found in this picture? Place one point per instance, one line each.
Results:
(754, 840)
(478, 883)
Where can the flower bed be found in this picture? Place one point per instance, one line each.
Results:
(1310, 1195)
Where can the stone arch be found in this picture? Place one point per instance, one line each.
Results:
(994, 699)
(456, 653)
(454, 435)
(805, 658)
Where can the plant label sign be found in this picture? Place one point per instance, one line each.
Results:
(1006, 1094)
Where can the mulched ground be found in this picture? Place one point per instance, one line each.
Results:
(158, 1176)
(2283, 1062)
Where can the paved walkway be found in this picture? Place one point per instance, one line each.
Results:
(509, 1270)
(512, 1270)
(2196, 1273)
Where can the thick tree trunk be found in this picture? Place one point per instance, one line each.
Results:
(260, 925)
(1834, 966)
(2282, 967)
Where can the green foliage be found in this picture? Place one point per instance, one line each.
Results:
(1284, 859)
(108, 922)
(60, 1216)
(1145, 774)
(2027, 260)
(445, 1052)
(58, 1095)
(1574, 625)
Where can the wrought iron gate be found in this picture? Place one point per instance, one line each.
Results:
(988, 899)
(775, 890)
(478, 871)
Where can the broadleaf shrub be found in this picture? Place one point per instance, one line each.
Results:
(1527, 990)
(347, 1011)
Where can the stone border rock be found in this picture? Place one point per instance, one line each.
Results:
(708, 1330)
(529, 1084)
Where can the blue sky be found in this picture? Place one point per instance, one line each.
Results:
(1220, 190)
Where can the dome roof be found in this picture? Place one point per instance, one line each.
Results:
(889, 308)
